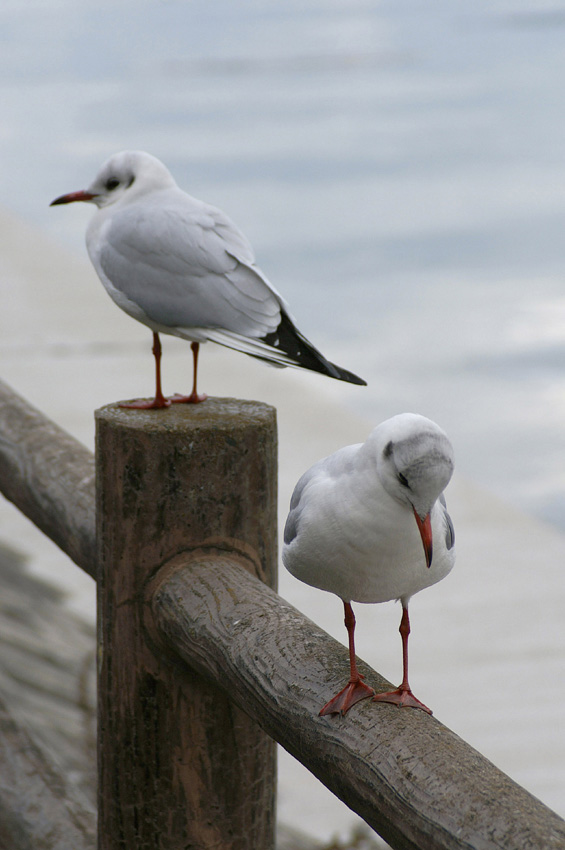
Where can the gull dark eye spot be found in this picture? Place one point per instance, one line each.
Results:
(112, 183)
(403, 480)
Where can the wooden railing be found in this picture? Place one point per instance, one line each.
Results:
(202, 667)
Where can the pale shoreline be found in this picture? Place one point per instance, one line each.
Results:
(491, 630)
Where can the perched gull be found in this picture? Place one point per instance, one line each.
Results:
(181, 267)
(361, 525)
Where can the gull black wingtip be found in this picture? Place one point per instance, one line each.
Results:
(303, 354)
(335, 371)
(351, 378)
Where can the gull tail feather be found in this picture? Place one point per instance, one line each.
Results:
(285, 346)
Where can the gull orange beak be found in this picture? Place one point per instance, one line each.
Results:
(425, 529)
(71, 197)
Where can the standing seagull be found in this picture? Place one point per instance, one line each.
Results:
(361, 525)
(181, 267)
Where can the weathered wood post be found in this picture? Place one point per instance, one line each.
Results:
(180, 766)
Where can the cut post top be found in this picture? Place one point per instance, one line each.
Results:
(218, 413)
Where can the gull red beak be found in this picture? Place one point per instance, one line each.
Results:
(71, 197)
(425, 529)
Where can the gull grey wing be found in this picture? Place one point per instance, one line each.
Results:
(184, 276)
(293, 518)
(449, 529)
(329, 470)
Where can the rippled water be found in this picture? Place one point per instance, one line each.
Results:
(398, 167)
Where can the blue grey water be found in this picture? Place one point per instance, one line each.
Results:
(399, 168)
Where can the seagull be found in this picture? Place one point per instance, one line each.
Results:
(181, 267)
(361, 525)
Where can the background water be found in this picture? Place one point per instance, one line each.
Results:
(400, 169)
(398, 166)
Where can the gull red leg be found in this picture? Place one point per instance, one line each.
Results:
(193, 398)
(356, 689)
(159, 401)
(403, 696)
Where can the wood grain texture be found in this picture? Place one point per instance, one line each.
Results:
(49, 476)
(179, 764)
(412, 779)
(39, 810)
(48, 680)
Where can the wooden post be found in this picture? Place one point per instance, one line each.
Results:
(180, 766)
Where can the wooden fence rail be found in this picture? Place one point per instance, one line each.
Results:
(194, 643)
(49, 476)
